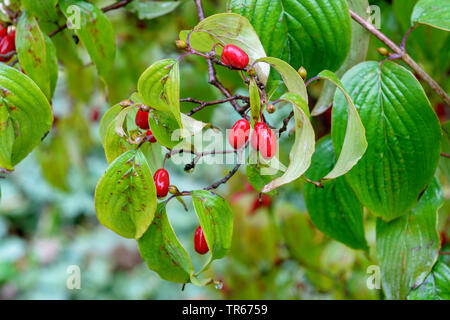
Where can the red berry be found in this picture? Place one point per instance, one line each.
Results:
(239, 134)
(152, 138)
(200, 244)
(161, 178)
(142, 119)
(12, 38)
(264, 140)
(6, 45)
(95, 114)
(441, 112)
(234, 56)
(266, 201)
(3, 32)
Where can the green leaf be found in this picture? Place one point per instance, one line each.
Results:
(172, 92)
(152, 84)
(408, 247)
(315, 34)
(164, 127)
(6, 138)
(229, 28)
(146, 9)
(402, 132)
(303, 148)
(54, 161)
(45, 10)
(436, 286)
(107, 118)
(114, 144)
(444, 163)
(29, 111)
(357, 54)
(355, 143)
(163, 253)
(37, 54)
(334, 210)
(435, 13)
(255, 101)
(256, 179)
(291, 78)
(216, 220)
(95, 32)
(125, 197)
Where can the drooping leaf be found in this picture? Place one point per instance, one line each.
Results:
(355, 143)
(408, 247)
(29, 113)
(436, 286)
(107, 118)
(334, 210)
(291, 78)
(163, 253)
(151, 84)
(255, 102)
(315, 34)
(45, 10)
(256, 179)
(435, 13)
(357, 54)
(37, 54)
(125, 196)
(149, 9)
(165, 128)
(216, 220)
(172, 92)
(303, 148)
(114, 144)
(402, 132)
(6, 138)
(229, 28)
(94, 30)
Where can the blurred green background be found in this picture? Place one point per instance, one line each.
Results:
(47, 217)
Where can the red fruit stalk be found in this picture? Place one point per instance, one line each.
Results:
(264, 140)
(266, 201)
(200, 244)
(162, 182)
(142, 119)
(235, 57)
(239, 134)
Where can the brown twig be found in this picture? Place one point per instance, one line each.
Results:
(402, 55)
(225, 179)
(445, 155)
(203, 104)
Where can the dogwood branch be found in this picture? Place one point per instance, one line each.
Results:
(203, 104)
(402, 55)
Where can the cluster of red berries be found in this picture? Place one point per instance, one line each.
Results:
(7, 42)
(162, 181)
(263, 139)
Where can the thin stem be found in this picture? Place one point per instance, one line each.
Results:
(203, 104)
(404, 56)
(445, 155)
(286, 123)
(225, 179)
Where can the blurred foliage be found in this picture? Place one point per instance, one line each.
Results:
(47, 217)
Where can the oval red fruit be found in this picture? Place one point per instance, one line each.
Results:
(150, 136)
(6, 45)
(264, 140)
(142, 119)
(161, 178)
(200, 244)
(239, 134)
(235, 57)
